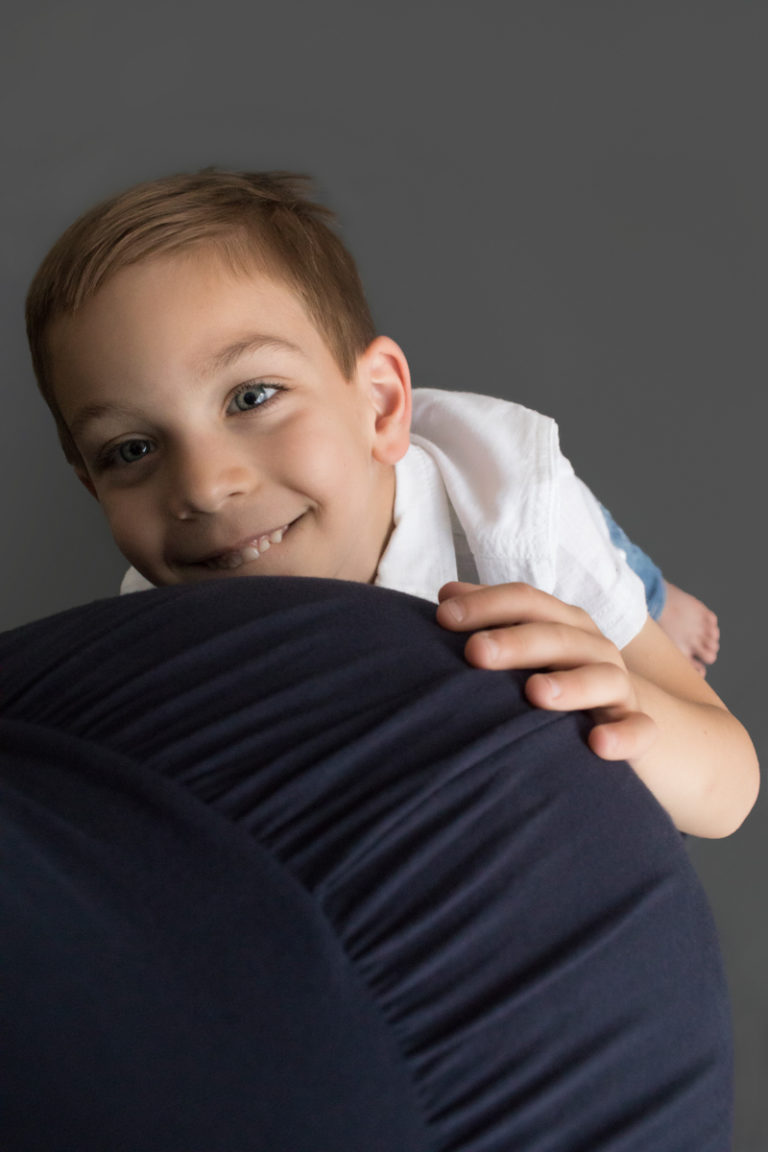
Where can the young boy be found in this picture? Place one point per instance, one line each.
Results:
(206, 349)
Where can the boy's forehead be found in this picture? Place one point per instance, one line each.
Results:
(194, 302)
(198, 277)
(169, 322)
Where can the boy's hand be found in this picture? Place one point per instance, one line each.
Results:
(582, 668)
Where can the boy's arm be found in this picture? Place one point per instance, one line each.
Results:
(651, 707)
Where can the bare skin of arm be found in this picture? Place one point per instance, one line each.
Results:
(650, 706)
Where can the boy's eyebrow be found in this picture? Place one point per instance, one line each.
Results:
(91, 412)
(221, 359)
(226, 356)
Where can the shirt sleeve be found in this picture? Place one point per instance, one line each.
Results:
(589, 570)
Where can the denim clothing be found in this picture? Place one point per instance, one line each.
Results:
(639, 562)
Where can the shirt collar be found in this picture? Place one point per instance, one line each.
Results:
(420, 555)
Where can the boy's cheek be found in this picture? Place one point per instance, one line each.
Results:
(136, 545)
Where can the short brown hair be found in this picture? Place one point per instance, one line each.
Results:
(262, 218)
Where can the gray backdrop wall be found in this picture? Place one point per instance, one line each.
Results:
(560, 203)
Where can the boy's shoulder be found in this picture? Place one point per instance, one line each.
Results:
(465, 424)
(501, 465)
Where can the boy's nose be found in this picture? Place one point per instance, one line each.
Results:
(205, 478)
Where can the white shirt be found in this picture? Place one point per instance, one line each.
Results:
(484, 494)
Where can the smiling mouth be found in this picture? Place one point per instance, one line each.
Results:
(251, 550)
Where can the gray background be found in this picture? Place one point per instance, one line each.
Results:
(560, 203)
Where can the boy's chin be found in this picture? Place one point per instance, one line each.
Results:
(200, 573)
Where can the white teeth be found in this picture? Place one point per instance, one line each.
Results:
(231, 560)
(251, 551)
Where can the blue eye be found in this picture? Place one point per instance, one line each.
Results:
(132, 450)
(253, 396)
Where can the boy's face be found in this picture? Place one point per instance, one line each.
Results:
(218, 432)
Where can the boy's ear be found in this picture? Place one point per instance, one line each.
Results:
(85, 479)
(384, 370)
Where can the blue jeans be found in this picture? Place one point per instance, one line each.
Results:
(639, 562)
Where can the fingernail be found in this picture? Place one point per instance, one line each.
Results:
(491, 644)
(609, 743)
(454, 609)
(554, 688)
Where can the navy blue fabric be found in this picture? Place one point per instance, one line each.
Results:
(165, 986)
(492, 940)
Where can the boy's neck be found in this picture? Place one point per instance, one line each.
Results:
(388, 489)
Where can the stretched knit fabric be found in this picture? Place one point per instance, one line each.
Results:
(281, 872)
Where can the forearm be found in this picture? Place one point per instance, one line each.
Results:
(702, 767)
(650, 707)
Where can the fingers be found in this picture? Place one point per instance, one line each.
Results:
(540, 645)
(626, 739)
(519, 626)
(467, 607)
(590, 686)
(621, 732)
(457, 588)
